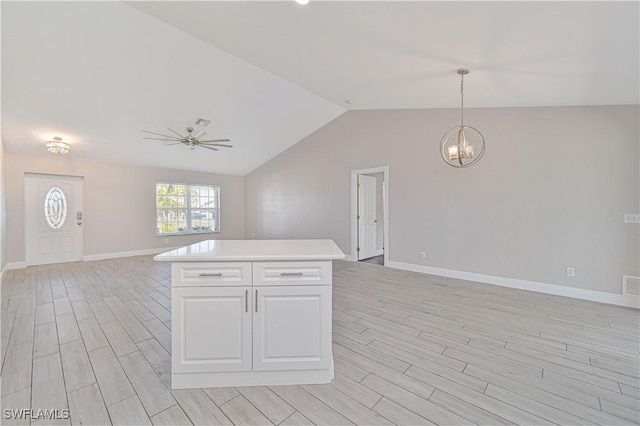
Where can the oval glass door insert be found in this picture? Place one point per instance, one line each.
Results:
(55, 207)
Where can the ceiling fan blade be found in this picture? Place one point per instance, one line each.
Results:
(175, 133)
(176, 143)
(217, 144)
(163, 139)
(216, 140)
(159, 134)
(209, 147)
(199, 134)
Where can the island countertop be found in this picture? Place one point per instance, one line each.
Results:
(253, 250)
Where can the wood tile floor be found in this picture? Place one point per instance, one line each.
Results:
(409, 349)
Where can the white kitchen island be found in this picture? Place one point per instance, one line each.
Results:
(251, 312)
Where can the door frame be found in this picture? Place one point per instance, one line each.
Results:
(354, 210)
(28, 256)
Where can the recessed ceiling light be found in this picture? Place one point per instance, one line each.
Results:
(203, 122)
(348, 101)
(302, 1)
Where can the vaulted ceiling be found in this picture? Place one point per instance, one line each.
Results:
(269, 73)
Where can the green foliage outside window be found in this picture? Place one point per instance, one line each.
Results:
(187, 209)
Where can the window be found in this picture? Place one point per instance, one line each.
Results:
(55, 207)
(187, 209)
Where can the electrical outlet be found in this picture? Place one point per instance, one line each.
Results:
(571, 272)
(631, 218)
(423, 254)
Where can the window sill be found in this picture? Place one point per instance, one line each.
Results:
(177, 234)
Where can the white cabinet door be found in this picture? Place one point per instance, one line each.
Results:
(292, 328)
(212, 329)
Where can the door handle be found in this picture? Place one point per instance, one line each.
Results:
(210, 274)
(290, 274)
(256, 300)
(246, 300)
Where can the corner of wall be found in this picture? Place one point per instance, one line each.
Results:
(3, 215)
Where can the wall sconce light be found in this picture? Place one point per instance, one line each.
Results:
(57, 146)
(460, 151)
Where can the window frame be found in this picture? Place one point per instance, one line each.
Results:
(189, 209)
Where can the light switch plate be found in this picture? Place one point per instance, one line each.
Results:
(632, 218)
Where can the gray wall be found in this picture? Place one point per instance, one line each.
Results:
(550, 192)
(119, 203)
(3, 208)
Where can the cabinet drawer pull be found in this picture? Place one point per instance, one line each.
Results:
(256, 300)
(211, 274)
(290, 274)
(246, 300)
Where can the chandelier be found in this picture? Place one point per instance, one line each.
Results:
(57, 146)
(461, 151)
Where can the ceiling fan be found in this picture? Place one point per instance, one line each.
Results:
(191, 140)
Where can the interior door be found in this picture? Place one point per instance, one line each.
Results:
(292, 328)
(53, 219)
(367, 222)
(211, 329)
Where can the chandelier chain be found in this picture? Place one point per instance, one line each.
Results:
(461, 99)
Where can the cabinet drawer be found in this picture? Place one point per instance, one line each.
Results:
(292, 273)
(211, 274)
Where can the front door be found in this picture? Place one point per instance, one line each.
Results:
(53, 219)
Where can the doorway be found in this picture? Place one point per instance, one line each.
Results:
(53, 219)
(369, 215)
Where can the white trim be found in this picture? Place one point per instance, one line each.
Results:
(354, 209)
(14, 265)
(251, 378)
(100, 256)
(576, 293)
(114, 255)
(349, 258)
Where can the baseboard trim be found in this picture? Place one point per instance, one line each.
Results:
(14, 265)
(100, 256)
(351, 258)
(115, 255)
(558, 290)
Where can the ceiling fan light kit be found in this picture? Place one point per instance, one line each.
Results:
(460, 151)
(190, 140)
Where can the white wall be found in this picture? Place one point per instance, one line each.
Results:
(119, 202)
(550, 192)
